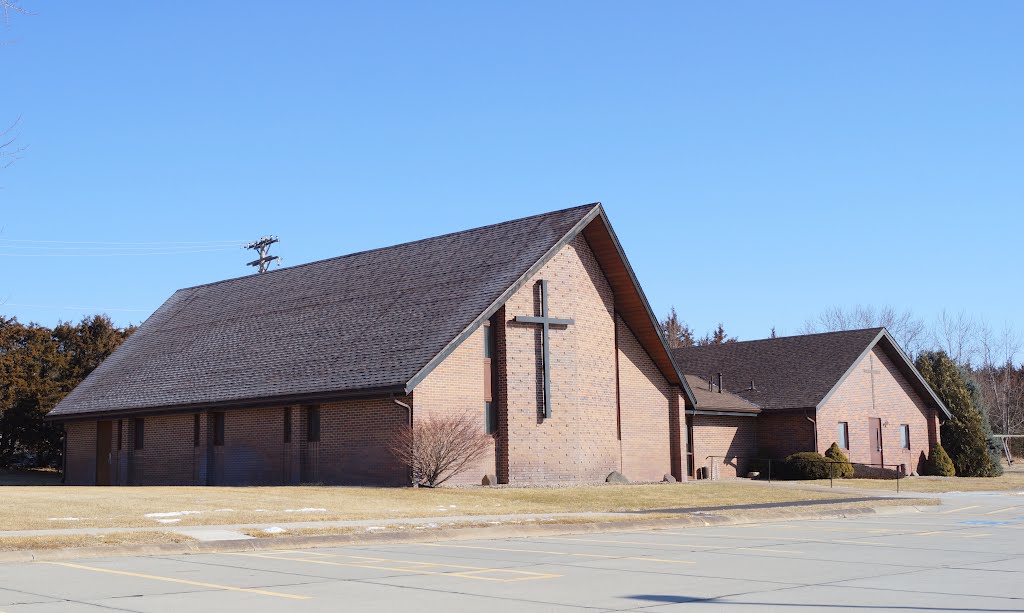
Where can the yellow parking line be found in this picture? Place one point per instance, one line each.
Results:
(1002, 510)
(576, 540)
(560, 553)
(372, 563)
(972, 536)
(927, 533)
(182, 581)
(960, 509)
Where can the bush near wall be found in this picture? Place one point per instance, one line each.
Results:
(805, 465)
(939, 463)
(843, 469)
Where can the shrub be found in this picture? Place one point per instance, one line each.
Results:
(805, 465)
(939, 463)
(843, 470)
(440, 447)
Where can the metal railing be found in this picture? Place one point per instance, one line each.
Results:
(831, 472)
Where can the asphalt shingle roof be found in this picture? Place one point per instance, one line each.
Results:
(712, 400)
(789, 372)
(368, 320)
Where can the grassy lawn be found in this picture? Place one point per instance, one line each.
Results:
(66, 541)
(1009, 481)
(48, 507)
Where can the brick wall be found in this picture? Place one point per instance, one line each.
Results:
(456, 386)
(646, 403)
(80, 453)
(166, 457)
(354, 439)
(579, 441)
(785, 433)
(733, 439)
(895, 402)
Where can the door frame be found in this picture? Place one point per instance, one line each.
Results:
(877, 448)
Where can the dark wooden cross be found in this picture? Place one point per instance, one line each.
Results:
(546, 323)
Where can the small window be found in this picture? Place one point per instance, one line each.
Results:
(491, 417)
(844, 435)
(218, 429)
(905, 436)
(196, 429)
(120, 433)
(140, 433)
(313, 424)
(287, 427)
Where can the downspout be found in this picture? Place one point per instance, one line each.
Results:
(408, 409)
(405, 406)
(814, 422)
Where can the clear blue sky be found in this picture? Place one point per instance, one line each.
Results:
(760, 161)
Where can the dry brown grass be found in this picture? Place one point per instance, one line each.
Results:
(15, 543)
(443, 525)
(28, 508)
(1009, 481)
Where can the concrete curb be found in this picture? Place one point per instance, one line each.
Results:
(691, 520)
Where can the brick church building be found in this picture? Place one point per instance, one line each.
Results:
(774, 397)
(537, 327)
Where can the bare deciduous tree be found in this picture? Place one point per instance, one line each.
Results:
(440, 447)
(957, 335)
(1001, 380)
(908, 329)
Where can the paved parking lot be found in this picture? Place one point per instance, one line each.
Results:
(967, 555)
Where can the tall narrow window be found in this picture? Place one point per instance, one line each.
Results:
(313, 424)
(905, 436)
(844, 435)
(140, 433)
(287, 425)
(196, 429)
(120, 433)
(218, 429)
(490, 404)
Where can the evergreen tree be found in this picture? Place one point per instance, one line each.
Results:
(843, 470)
(938, 463)
(994, 447)
(717, 337)
(964, 434)
(677, 333)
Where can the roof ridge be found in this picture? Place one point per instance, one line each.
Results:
(778, 338)
(396, 245)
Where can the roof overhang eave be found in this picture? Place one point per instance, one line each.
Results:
(244, 403)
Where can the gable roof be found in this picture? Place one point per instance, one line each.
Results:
(712, 400)
(368, 323)
(796, 372)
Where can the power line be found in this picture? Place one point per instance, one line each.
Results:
(75, 308)
(103, 255)
(35, 248)
(210, 242)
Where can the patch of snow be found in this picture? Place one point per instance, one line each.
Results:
(375, 528)
(172, 514)
(63, 519)
(306, 510)
(274, 530)
(169, 521)
(224, 511)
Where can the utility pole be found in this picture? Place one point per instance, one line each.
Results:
(262, 246)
